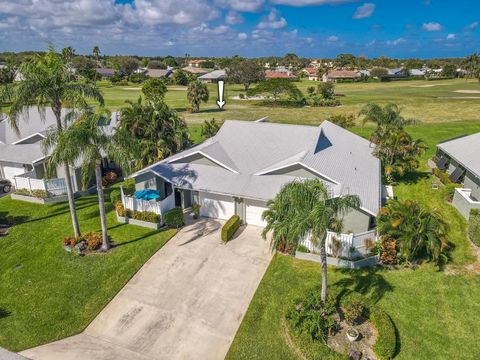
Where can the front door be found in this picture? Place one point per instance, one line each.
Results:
(178, 198)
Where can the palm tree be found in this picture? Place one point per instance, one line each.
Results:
(196, 93)
(305, 208)
(86, 139)
(472, 66)
(96, 55)
(415, 227)
(47, 83)
(67, 54)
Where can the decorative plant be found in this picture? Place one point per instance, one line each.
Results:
(196, 210)
(353, 311)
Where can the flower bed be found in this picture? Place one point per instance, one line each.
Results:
(87, 243)
(311, 324)
(144, 219)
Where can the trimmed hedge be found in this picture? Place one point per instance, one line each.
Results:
(442, 176)
(230, 228)
(115, 196)
(474, 226)
(386, 343)
(174, 218)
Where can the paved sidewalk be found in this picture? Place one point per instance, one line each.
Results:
(186, 302)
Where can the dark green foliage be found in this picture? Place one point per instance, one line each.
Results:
(154, 89)
(326, 90)
(386, 343)
(230, 228)
(197, 92)
(474, 226)
(442, 176)
(276, 88)
(354, 310)
(115, 196)
(343, 120)
(210, 128)
(174, 218)
(180, 77)
(245, 72)
(7, 75)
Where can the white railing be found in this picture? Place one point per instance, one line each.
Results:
(157, 207)
(344, 245)
(54, 187)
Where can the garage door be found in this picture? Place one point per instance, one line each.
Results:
(10, 172)
(216, 206)
(254, 210)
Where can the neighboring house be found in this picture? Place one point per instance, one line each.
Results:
(246, 164)
(158, 73)
(312, 73)
(105, 72)
(336, 75)
(365, 73)
(420, 73)
(195, 70)
(22, 160)
(213, 77)
(279, 75)
(195, 63)
(460, 158)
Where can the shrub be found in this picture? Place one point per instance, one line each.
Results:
(94, 240)
(40, 194)
(343, 120)
(196, 210)
(128, 187)
(319, 101)
(149, 216)
(388, 250)
(302, 248)
(119, 208)
(241, 96)
(174, 218)
(353, 311)
(115, 196)
(386, 342)
(230, 228)
(442, 176)
(71, 241)
(450, 190)
(25, 192)
(474, 226)
(109, 178)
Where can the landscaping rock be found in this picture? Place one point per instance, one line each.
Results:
(355, 355)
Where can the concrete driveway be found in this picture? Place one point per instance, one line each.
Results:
(186, 302)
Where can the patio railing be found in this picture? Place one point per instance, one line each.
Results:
(54, 187)
(157, 207)
(344, 245)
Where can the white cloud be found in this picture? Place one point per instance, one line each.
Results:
(242, 5)
(273, 20)
(472, 26)
(432, 26)
(310, 2)
(451, 37)
(333, 38)
(364, 11)
(396, 42)
(233, 18)
(242, 36)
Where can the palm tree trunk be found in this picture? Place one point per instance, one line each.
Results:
(323, 258)
(56, 108)
(101, 206)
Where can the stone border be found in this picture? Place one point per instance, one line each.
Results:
(32, 199)
(145, 224)
(348, 264)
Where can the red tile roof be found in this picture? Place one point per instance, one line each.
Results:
(276, 74)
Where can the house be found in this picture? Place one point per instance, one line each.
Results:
(312, 73)
(336, 75)
(158, 73)
(460, 158)
(279, 75)
(195, 70)
(246, 164)
(105, 72)
(195, 63)
(418, 73)
(22, 160)
(212, 77)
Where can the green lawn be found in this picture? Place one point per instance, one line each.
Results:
(47, 293)
(429, 101)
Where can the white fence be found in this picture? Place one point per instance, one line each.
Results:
(157, 207)
(54, 187)
(344, 245)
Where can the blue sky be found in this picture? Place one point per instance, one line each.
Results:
(312, 28)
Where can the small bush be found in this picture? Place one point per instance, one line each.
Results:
(196, 210)
(128, 187)
(442, 176)
(40, 194)
(303, 249)
(354, 310)
(109, 178)
(241, 96)
(119, 208)
(149, 216)
(115, 196)
(388, 250)
(94, 240)
(24, 192)
(386, 342)
(343, 120)
(174, 218)
(474, 226)
(450, 190)
(230, 228)
(319, 101)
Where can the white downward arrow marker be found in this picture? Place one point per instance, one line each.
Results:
(220, 101)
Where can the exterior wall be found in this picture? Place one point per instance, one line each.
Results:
(196, 159)
(75, 173)
(298, 171)
(463, 205)
(150, 181)
(356, 221)
(39, 171)
(240, 208)
(473, 183)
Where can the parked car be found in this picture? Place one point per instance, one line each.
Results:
(5, 186)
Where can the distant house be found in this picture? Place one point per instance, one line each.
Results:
(336, 75)
(279, 75)
(213, 76)
(460, 158)
(105, 72)
(312, 73)
(195, 63)
(420, 73)
(195, 70)
(158, 73)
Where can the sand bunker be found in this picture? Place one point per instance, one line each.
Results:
(459, 97)
(427, 86)
(468, 91)
(132, 88)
